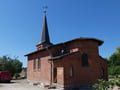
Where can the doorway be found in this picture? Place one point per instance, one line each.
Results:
(55, 75)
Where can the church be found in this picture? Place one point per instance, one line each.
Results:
(70, 64)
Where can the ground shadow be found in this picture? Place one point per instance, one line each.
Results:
(11, 82)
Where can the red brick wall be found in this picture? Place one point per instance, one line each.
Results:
(60, 75)
(81, 75)
(42, 74)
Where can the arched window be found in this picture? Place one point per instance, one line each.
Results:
(84, 60)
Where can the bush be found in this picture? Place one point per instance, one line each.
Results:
(16, 75)
(104, 85)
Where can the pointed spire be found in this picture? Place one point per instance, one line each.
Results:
(45, 34)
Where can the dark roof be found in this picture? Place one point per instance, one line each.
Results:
(100, 42)
(37, 51)
(94, 39)
(44, 34)
(63, 55)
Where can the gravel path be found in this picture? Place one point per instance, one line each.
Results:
(19, 85)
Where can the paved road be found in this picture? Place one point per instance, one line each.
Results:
(19, 85)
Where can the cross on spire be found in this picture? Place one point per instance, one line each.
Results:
(45, 8)
(45, 34)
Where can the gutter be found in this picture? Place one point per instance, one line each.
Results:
(51, 68)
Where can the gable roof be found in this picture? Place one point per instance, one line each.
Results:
(100, 42)
(63, 55)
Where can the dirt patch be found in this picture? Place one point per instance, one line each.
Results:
(19, 85)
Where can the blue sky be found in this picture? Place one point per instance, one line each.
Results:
(21, 23)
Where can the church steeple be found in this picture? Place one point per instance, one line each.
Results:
(44, 39)
(44, 34)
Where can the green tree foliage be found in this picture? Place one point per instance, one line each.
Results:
(114, 63)
(11, 65)
(105, 85)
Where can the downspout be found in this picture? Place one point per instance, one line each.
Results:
(51, 67)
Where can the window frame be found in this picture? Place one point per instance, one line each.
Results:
(71, 71)
(34, 64)
(39, 64)
(84, 60)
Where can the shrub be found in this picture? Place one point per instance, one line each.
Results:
(16, 75)
(104, 85)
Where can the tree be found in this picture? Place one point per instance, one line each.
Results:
(114, 63)
(11, 65)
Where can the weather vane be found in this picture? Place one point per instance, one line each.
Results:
(45, 8)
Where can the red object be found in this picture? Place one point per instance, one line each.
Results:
(5, 76)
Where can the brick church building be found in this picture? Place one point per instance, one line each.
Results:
(69, 64)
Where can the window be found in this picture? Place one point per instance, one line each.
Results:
(34, 64)
(71, 71)
(39, 63)
(84, 60)
(64, 51)
(102, 72)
